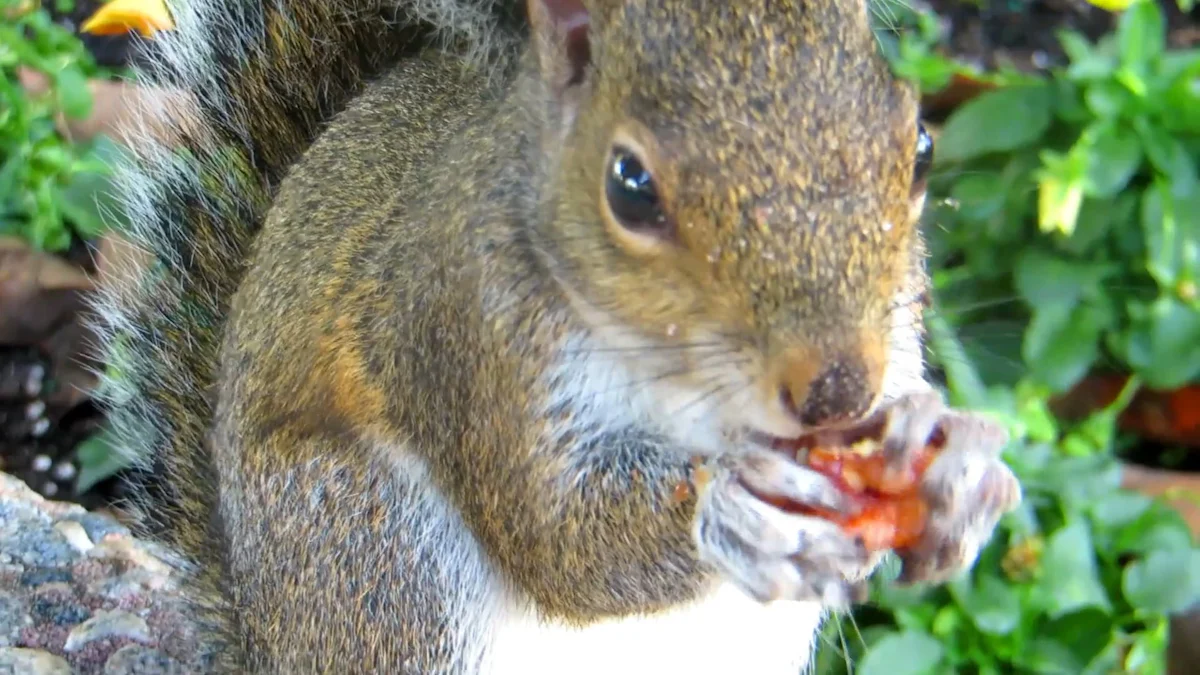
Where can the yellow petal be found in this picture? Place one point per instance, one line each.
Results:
(1058, 205)
(121, 16)
(1112, 5)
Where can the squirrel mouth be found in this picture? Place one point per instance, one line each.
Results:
(869, 429)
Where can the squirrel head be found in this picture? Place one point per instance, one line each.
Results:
(735, 186)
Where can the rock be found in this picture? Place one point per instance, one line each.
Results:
(99, 527)
(79, 591)
(140, 660)
(14, 617)
(17, 661)
(45, 575)
(27, 534)
(59, 610)
(108, 624)
(37, 543)
(75, 535)
(128, 585)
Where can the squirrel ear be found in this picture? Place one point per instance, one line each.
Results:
(560, 33)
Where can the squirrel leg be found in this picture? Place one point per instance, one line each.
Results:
(338, 553)
(968, 486)
(604, 536)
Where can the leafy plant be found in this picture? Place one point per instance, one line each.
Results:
(54, 190)
(1079, 194)
(51, 189)
(913, 40)
(1079, 580)
(1076, 194)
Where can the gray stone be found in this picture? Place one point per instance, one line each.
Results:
(130, 584)
(17, 661)
(75, 535)
(39, 544)
(98, 526)
(141, 660)
(58, 610)
(45, 575)
(13, 618)
(58, 564)
(107, 624)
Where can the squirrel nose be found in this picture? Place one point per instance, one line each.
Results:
(840, 393)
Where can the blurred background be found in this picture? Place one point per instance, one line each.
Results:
(1064, 228)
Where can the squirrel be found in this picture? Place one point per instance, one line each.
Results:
(448, 298)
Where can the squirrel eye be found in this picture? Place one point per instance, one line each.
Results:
(924, 159)
(631, 194)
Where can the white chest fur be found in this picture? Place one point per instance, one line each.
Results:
(726, 632)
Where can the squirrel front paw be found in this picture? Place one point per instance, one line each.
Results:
(769, 553)
(967, 487)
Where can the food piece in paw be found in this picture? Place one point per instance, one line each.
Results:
(889, 523)
(891, 512)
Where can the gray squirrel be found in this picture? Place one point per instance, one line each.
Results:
(447, 299)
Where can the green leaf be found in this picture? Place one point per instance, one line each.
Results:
(74, 97)
(1108, 100)
(1097, 218)
(1181, 100)
(998, 121)
(1061, 344)
(993, 606)
(1075, 46)
(1045, 279)
(1120, 509)
(1168, 154)
(994, 348)
(1147, 656)
(946, 622)
(89, 201)
(1070, 643)
(1075, 482)
(1161, 528)
(99, 458)
(1171, 226)
(1047, 656)
(1114, 157)
(964, 382)
(1163, 343)
(1070, 577)
(979, 195)
(1141, 34)
(903, 653)
(1164, 582)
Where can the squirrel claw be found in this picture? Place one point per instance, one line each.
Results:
(968, 487)
(769, 553)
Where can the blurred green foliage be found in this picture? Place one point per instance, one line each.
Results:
(1076, 194)
(52, 190)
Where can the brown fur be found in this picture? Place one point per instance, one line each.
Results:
(421, 269)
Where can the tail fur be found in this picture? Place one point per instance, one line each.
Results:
(242, 87)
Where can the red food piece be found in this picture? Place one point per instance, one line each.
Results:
(891, 511)
(894, 524)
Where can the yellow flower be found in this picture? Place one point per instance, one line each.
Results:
(121, 16)
(1058, 204)
(1112, 5)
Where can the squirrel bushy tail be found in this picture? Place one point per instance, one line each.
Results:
(241, 89)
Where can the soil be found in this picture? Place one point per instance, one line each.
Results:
(1024, 33)
(46, 373)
